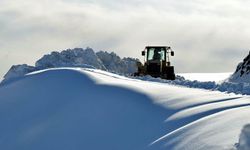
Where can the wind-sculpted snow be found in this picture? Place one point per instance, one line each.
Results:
(75, 108)
(201, 120)
(65, 109)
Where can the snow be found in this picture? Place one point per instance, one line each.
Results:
(203, 77)
(242, 73)
(76, 108)
(19, 70)
(66, 109)
(77, 57)
(114, 63)
(244, 142)
(237, 83)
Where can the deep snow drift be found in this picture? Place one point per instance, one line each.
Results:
(92, 109)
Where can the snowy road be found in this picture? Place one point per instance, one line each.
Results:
(217, 77)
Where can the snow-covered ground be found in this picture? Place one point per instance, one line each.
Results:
(217, 77)
(73, 108)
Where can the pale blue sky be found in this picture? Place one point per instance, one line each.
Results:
(208, 36)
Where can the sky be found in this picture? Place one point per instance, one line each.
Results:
(207, 36)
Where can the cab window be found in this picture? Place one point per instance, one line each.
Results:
(156, 54)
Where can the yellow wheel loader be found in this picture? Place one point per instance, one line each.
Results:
(156, 62)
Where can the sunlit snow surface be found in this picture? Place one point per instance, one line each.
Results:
(92, 109)
(217, 77)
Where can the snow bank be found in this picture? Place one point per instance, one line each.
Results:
(242, 73)
(17, 71)
(244, 141)
(114, 63)
(77, 57)
(206, 77)
(239, 81)
(232, 87)
(181, 81)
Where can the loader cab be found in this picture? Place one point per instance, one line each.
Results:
(157, 62)
(157, 53)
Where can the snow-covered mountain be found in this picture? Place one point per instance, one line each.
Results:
(77, 108)
(77, 57)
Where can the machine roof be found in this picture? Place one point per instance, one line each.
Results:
(157, 47)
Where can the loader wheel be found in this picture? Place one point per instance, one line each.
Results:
(171, 77)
